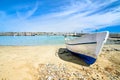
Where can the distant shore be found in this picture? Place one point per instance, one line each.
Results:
(112, 35)
(37, 33)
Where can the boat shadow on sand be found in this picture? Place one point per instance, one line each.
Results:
(65, 55)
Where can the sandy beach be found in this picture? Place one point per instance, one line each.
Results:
(55, 63)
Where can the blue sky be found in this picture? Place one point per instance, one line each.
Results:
(59, 15)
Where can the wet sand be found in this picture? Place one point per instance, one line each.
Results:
(54, 63)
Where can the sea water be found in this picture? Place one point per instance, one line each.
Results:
(31, 40)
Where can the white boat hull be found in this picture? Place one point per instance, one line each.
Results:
(88, 46)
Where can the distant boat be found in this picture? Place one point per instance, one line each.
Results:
(88, 46)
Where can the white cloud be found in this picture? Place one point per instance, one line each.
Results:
(28, 13)
(72, 17)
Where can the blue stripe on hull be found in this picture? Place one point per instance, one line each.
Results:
(82, 43)
(87, 59)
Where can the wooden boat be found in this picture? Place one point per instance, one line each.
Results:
(88, 46)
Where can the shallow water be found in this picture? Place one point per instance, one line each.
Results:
(31, 40)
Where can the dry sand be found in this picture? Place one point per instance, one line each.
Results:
(55, 63)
